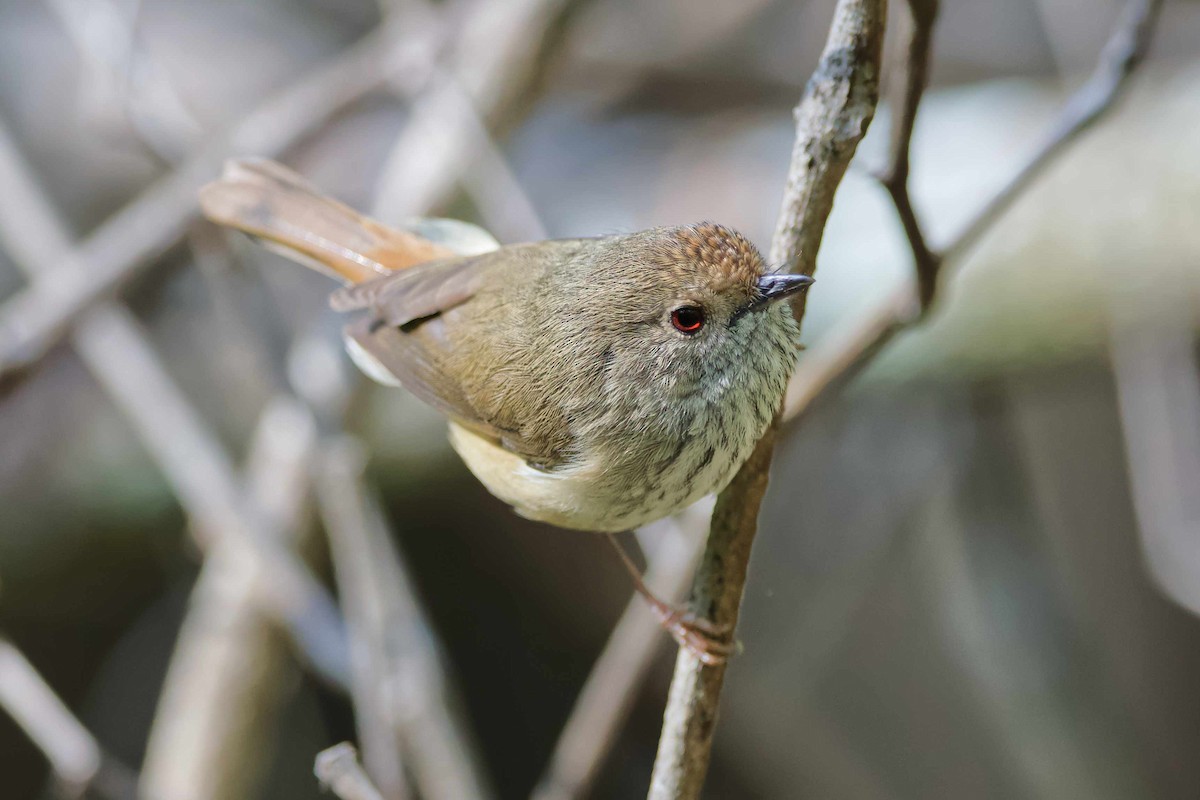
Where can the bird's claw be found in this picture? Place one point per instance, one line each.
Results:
(710, 642)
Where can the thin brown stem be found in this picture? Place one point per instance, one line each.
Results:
(904, 97)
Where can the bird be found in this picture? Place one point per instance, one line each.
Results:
(595, 384)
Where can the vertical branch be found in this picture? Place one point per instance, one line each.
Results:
(223, 687)
(403, 697)
(73, 754)
(838, 105)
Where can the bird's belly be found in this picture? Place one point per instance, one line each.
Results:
(599, 496)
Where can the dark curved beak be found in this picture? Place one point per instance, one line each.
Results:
(778, 286)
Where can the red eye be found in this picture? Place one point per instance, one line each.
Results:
(688, 319)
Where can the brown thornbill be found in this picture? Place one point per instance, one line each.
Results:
(595, 384)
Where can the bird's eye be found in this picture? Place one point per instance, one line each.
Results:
(688, 319)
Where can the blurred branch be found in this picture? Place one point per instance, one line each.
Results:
(70, 281)
(607, 697)
(353, 546)
(126, 76)
(1158, 396)
(117, 352)
(843, 353)
(74, 755)
(403, 700)
(837, 107)
(224, 684)
(447, 139)
(337, 769)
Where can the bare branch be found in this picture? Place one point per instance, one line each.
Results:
(353, 547)
(337, 768)
(402, 693)
(838, 105)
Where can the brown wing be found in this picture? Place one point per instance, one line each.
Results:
(267, 200)
(417, 292)
(414, 332)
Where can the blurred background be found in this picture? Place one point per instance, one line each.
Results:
(978, 567)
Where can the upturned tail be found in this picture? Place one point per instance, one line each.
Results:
(270, 202)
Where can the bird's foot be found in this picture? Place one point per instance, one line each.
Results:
(710, 642)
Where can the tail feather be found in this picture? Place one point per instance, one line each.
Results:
(269, 201)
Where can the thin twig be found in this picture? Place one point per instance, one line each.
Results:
(402, 692)
(337, 769)
(907, 85)
(75, 757)
(838, 105)
(842, 354)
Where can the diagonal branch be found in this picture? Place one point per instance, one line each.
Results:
(838, 105)
(74, 755)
